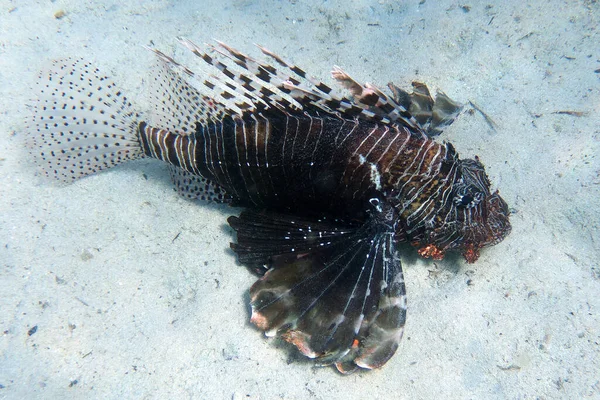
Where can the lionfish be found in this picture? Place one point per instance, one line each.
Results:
(330, 184)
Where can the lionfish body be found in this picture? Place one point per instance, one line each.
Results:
(330, 184)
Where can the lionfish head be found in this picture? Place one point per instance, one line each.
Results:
(473, 216)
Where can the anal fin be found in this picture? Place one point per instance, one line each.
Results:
(196, 187)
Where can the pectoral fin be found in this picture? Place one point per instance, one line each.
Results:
(334, 290)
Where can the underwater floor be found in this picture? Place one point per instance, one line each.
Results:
(116, 287)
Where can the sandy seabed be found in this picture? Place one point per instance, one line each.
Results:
(115, 287)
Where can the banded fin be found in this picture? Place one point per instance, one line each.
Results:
(181, 99)
(303, 88)
(290, 89)
(224, 91)
(417, 111)
(196, 187)
(432, 115)
(334, 291)
(376, 101)
(238, 85)
(81, 122)
(247, 85)
(290, 79)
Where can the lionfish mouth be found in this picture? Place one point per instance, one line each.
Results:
(493, 232)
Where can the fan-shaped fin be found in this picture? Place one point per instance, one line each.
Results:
(334, 290)
(81, 122)
(241, 82)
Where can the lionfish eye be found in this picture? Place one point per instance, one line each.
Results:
(468, 200)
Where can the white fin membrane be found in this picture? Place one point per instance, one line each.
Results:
(177, 106)
(81, 122)
(196, 187)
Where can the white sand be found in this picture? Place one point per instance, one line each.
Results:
(125, 310)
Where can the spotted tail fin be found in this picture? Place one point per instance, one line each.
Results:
(81, 123)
